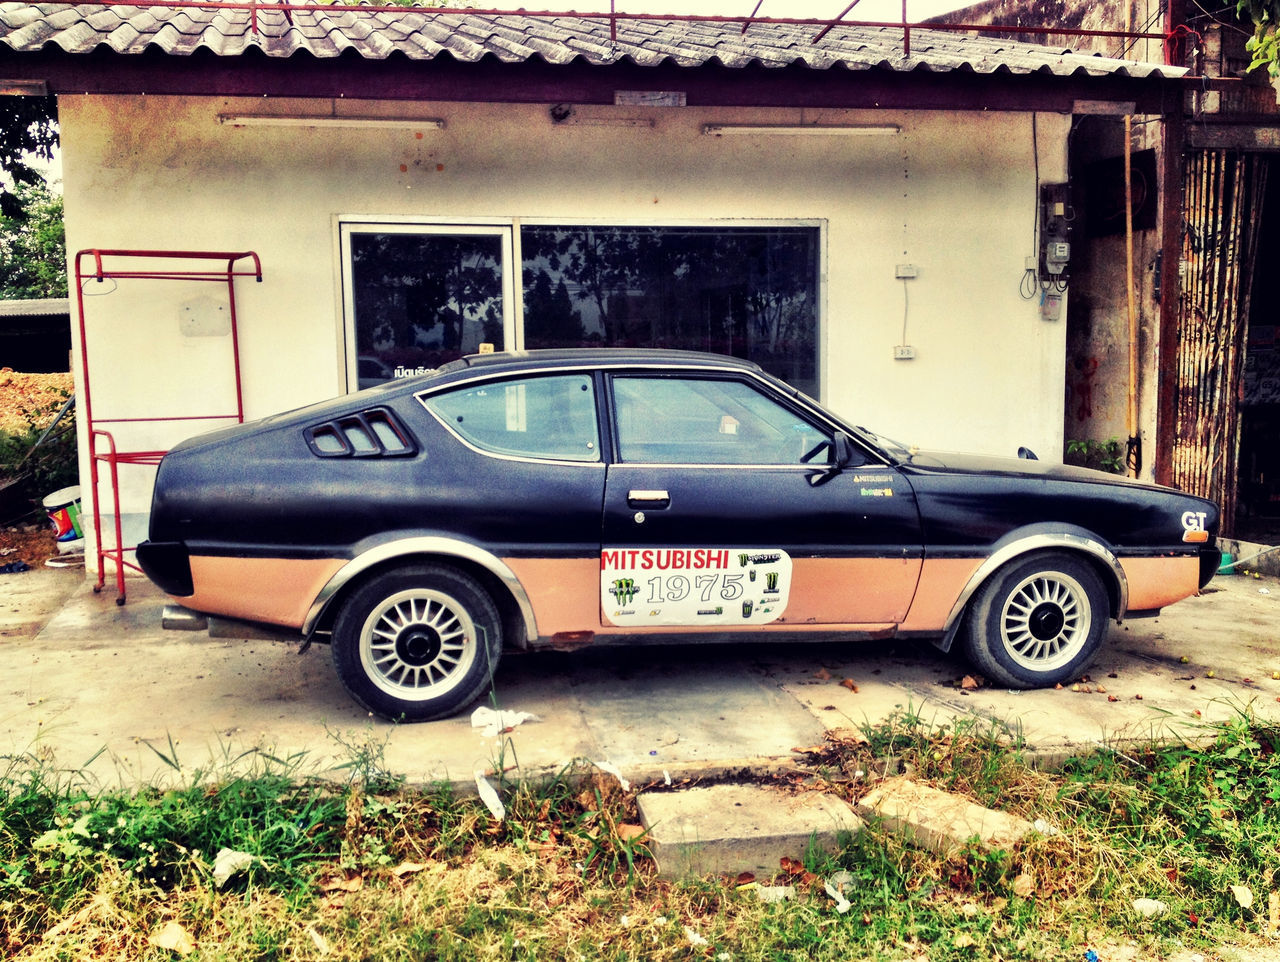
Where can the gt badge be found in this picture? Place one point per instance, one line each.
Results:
(1193, 529)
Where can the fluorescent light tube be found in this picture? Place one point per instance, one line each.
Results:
(800, 130)
(329, 120)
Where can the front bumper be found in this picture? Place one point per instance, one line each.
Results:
(1210, 559)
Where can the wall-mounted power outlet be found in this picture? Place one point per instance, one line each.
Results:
(904, 271)
(903, 352)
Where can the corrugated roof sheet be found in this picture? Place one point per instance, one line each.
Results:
(35, 307)
(377, 33)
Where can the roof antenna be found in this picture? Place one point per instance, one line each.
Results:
(759, 4)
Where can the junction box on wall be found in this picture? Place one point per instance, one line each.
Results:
(905, 273)
(1056, 215)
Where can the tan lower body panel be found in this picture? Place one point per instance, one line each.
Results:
(826, 594)
(1156, 582)
(850, 590)
(941, 581)
(278, 591)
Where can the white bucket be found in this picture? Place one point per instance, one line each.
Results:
(63, 508)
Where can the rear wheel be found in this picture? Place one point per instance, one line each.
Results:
(1038, 621)
(417, 643)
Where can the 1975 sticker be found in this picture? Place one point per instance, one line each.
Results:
(693, 586)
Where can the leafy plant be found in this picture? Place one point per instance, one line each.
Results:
(1262, 46)
(1105, 455)
(36, 471)
(33, 246)
(28, 129)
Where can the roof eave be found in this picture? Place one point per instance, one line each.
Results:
(103, 71)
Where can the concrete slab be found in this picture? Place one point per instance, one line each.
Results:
(662, 709)
(731, 829)
(938, 821)
(106, 682)
(28, 599)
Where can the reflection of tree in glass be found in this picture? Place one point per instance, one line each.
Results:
(600, 266)
(750, 292)
(551, 311)
(416, 291)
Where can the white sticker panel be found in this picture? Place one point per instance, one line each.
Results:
(693, 586)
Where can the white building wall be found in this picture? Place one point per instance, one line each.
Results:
(952, 194)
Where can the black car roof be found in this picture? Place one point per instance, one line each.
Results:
(475, 365)
(592, 357)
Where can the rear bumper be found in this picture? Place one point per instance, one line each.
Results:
(168, 564)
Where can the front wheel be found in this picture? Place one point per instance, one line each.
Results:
(417, 643)
(1038, 621)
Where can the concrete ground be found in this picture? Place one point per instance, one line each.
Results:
(88, 683)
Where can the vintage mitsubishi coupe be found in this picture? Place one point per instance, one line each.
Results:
(565, 498)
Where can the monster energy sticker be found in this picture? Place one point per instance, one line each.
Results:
(694, 586)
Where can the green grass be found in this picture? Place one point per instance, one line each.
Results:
(356, 865)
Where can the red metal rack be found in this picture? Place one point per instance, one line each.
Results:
(132, 265)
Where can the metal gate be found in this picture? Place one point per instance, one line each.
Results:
(1222, 205)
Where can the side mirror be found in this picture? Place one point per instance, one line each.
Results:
(841, 455)
(841, 449)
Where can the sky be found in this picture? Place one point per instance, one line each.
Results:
(873, 10)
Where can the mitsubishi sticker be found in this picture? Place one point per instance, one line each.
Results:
(694, 586)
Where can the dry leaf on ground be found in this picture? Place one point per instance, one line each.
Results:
(173, 937)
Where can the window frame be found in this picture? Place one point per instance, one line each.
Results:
(509, 228)
(602, 438)
(350, 367)
(762, 389)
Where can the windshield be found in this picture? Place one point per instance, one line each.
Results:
(893, 449)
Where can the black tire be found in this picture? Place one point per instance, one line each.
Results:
(417, 643)
(1037, 621)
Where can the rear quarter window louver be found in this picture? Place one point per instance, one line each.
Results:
(369, 434)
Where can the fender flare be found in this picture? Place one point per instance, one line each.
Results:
(422, 545)
(1026, 543)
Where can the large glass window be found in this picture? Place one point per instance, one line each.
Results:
(422, 298)
(419, 296)
(550, 417)
(750, 292)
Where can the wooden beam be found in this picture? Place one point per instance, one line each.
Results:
(1171, 216)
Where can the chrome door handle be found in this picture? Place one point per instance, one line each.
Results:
(648, 499)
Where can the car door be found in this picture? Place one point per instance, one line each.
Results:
(723, 508)
(525, 483)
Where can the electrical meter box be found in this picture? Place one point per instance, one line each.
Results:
(1056, 216)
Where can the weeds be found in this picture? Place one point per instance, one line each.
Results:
(35, 471)
(367, 867)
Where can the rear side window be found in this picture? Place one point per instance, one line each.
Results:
(372, 433)
(551, 417)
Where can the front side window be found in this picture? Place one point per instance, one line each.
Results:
(749, 292)
(552, 417)
(679, 420)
